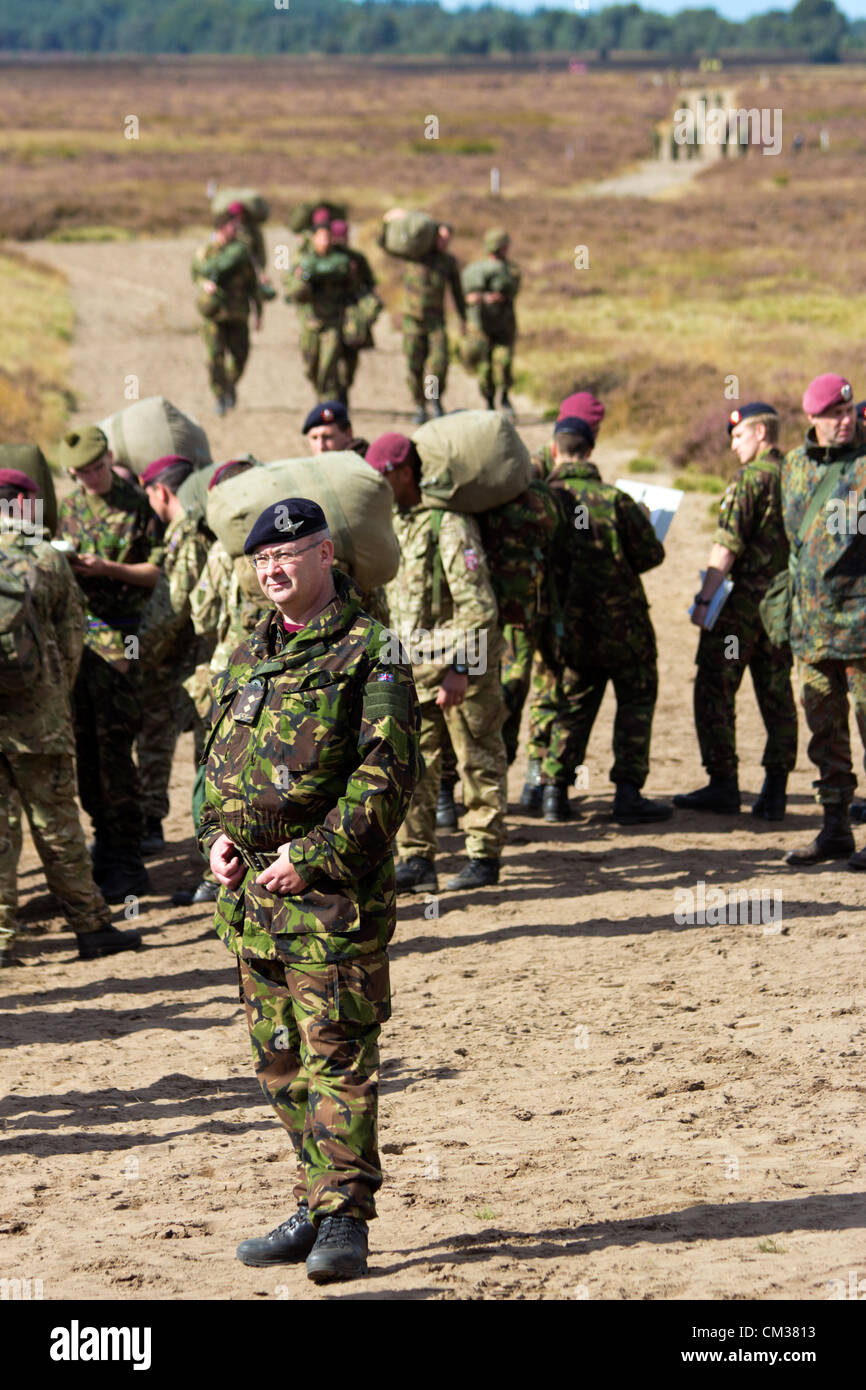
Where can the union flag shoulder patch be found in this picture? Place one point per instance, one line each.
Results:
(470, 555)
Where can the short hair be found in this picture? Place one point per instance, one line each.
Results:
(174, 476)
(770, 421)
(572, 446)
(9, 492)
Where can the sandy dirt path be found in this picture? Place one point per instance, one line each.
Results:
(582, 1097)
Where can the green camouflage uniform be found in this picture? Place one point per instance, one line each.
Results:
(321, 292)
(827, 633)
(425, 341)
(545, 663)
(466, 604)
(605, 543)
(107, 706)
(37, 764)
(750, 526)
(492, 327)
(227, 334)
(167, 709)
(321, 753)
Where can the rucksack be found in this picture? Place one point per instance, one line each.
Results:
(20, 650)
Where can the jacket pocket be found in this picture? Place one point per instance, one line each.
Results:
(315, 911)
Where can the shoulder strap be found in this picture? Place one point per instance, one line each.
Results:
(436, 515)
(819, 497)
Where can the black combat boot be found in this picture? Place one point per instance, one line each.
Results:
(416, 875)
(490, 401)
(477, 873)
(446, 811)
(772, 801)
(554, 802)
(505, 403)
(420, 416)
(721, 794)
(205, 892)
(533, 791)
(125, 878)
(438, 409)
(833, 841)
(153, 840)
(340, 1251)
(230, 397)
(630, 808)
(288, 1244)
(106, 942)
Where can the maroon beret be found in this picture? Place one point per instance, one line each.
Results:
(321, 218)
(339, 227)
(13, 477)
(388, 452)
(153, 470)
(825, 392)
(585, 406)
(219, 473)
(235, 209)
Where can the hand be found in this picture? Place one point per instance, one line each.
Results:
(282, 877)
(209, 286)
(452, 691)
(92, 565)
(699, 615)
(226, 864)
(473, 298)
(494, 297)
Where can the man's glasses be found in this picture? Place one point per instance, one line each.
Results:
(264, 558)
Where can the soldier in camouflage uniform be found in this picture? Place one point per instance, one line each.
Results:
(364, 304)
(37, 743)
(116, 562)
(320, 284)
(829, 592)
(167, 708)
(490, 288)
(425, 339)
(750, 545)
(229, 287)
(444, 610)
(606, 542)
(311, 765)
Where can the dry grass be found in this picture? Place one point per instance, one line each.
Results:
(34, 349)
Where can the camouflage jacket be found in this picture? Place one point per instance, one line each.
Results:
(750, 525)
(604, 543)
(363, 280)
(424, 286)
(828, 618)
(223, 614)
(172, 639)
(250, 234)
(232, 270)
(42, 723)
(542, 463)
(119, 526)
(493, 275)
(315, 744)
(463, 616)
(323, 288)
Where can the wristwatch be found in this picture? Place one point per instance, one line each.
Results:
(460, 670)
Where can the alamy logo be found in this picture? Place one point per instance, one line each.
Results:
(76, 1343)
(714, 125)
(703, 906)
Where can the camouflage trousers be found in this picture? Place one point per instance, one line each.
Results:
(167, 712)
(44, 785)
(515, 674)
(425, 347)
(107, 714)
(738, 641)
(495, 365)
(824, 690)
(475, 728)
(542, 707)
(315, 1033)
(326, 364)
(228, 347)
(578, 699)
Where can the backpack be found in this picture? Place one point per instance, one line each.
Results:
(20, 650)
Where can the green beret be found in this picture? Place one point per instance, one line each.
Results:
(80, 447)
(495, 239)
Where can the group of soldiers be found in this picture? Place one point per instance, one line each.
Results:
(335, 292)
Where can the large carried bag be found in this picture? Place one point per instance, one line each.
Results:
(301, 219)
(152, 428)
(358, 320)
(29, 459)
(356, 500)
(776, 606)
(20, 652)
(471, 461)
(409, 235)
(254, 204)
(193, 493)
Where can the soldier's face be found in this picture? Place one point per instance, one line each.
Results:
(325, 439)
(835, 426)
(296, 580)
(747, 440)
(322, 240)
(95, 478)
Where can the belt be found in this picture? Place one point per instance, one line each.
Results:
(256, 859)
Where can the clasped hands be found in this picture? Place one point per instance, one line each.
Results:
(280, 877)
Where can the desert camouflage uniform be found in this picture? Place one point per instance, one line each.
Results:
(750, 526)
(227, 334)
(827, 632)
(492, 327)
(316, 745)
(605, 543)
(321, 292)
(107, 703)
(467, 604)
(425, 340)
(37, 746)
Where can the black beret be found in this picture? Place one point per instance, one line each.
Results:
(289, 520)
(743, 412)
(861, 410)
(327, 413)
(572, 424)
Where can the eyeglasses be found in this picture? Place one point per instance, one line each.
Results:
(264, 558)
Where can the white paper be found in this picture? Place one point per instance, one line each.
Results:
(661, 502)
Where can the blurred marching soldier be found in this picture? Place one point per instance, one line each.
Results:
(167, 709)
(116, 563)
(328, 428)
(363, 306)
(311, 765)
(229, 286)
(823, 490)
(425, 338)
(490, 287)
(320, 284)
(750, 545)
(470, 706)
(41, 641)
(605, 543)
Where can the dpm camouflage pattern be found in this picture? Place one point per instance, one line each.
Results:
(750, 525)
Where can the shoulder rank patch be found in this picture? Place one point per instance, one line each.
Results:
(383, 697)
